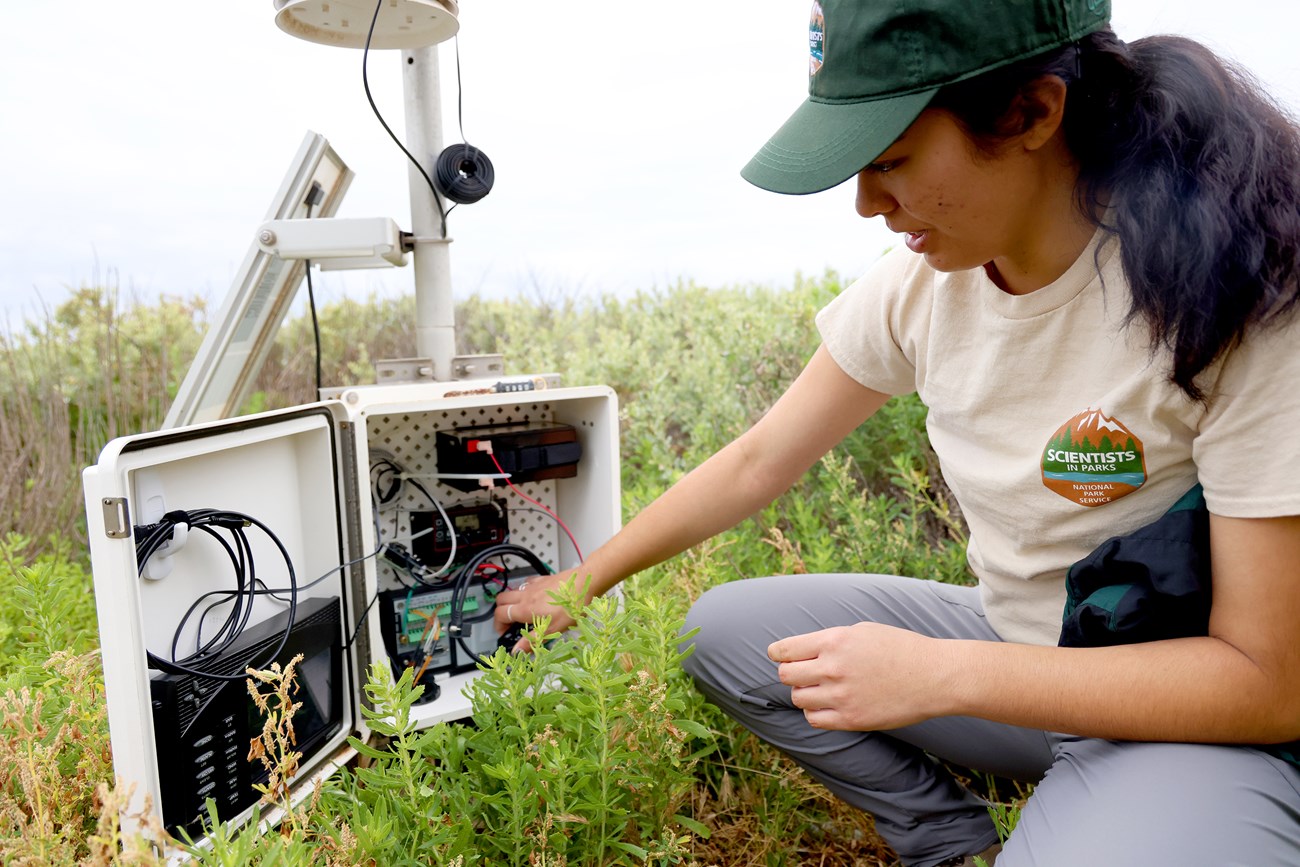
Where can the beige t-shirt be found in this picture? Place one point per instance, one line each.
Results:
(1055, 426)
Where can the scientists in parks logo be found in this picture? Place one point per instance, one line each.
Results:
(1094, 459)
(816, 39)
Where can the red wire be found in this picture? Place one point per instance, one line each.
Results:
(541, 506)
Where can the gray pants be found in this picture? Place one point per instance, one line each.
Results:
(1095, 802)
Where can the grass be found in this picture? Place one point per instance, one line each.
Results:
(693, 367)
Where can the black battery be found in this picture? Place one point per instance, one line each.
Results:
(526, 452)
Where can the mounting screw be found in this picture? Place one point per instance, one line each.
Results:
(266, 236)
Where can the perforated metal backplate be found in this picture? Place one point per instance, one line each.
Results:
(409, 439)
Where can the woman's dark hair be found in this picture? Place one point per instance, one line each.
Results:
(1183, 157)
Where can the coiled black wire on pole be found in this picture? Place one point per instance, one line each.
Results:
(464, 174)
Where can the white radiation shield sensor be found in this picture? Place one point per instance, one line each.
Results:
(346, 23)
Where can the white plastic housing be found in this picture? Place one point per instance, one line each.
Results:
(305, 473)
(368, 242)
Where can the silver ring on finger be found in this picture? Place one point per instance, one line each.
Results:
(510, 613)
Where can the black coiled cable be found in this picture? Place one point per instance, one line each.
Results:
(462, 581)
(464, 174)
(150, 538)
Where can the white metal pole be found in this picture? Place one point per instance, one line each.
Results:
(435, 313)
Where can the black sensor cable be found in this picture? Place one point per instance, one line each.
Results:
(151, 538)
(314, 197)
(365, 83)
(465, 174)
(457, 618)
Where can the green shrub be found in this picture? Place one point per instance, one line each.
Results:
(581, 753)
(53, 730)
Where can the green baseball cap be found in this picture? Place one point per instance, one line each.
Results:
(875, 64)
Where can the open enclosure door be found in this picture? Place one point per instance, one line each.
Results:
(180, 626)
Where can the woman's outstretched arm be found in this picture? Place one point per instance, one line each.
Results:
(821, 407)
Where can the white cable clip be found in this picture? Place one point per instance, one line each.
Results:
(160, 563)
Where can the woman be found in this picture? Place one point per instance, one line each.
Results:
(1095, 299)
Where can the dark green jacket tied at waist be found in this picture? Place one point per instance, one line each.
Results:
(1152, 584)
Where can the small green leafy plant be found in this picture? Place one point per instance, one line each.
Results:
(582, 749)
(579, 753)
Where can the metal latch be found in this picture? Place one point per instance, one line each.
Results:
(117, 518)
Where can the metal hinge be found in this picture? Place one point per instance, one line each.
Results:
(117, 518)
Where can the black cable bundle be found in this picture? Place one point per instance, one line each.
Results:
(151, 537)
(466, 575)
(464, 174)
(399, 555)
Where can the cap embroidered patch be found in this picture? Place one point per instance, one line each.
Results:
(1094, 459)
(816, 39)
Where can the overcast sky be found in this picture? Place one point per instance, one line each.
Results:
(144, 141)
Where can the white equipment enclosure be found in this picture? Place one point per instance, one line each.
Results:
(306, 473)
